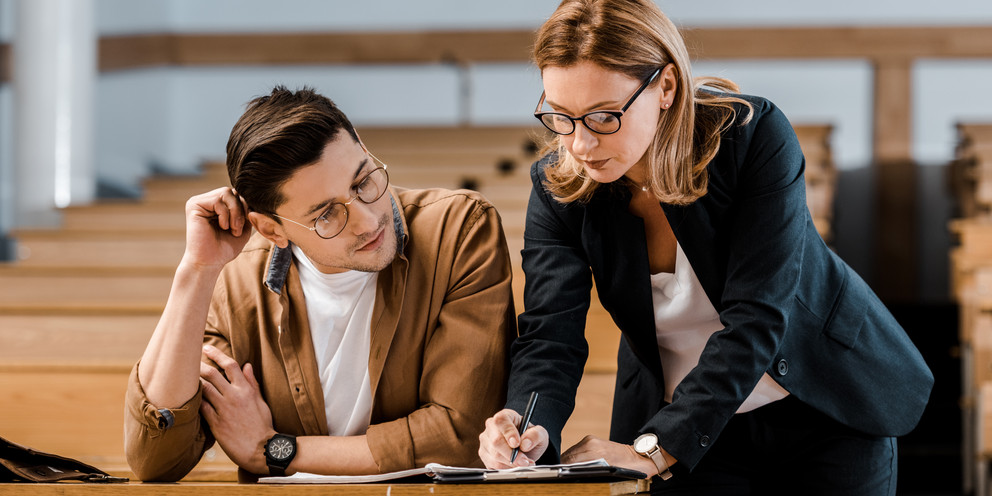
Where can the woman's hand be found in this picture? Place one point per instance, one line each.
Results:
(496, 443)
(616, 454)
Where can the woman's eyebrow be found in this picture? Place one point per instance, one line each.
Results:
(594, 106)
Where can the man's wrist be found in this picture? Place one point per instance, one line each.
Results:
(279, 451)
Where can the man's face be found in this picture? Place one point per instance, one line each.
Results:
(368, 240)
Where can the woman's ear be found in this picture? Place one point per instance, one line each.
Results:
(269, 228)
(669, 78)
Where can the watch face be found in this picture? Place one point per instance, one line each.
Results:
(280, 448)
(645, 443)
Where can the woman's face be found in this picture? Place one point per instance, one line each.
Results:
(584, 87)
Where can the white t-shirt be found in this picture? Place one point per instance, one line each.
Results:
(339, 308)
(684, 320)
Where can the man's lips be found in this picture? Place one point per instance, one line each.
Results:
(375, 242)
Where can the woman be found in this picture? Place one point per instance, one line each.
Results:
(753, 359)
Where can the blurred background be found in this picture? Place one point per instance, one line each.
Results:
(112, 112)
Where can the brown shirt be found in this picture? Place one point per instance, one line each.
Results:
(441, 325)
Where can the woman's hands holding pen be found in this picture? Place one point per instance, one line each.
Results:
(496, 443)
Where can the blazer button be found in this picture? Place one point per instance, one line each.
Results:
(783, 367)
(704, 441)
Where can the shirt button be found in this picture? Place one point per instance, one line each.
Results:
(783, 367)
(704, 441)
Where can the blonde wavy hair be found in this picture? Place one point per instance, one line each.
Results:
(635, 38)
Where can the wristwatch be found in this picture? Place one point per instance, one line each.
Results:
(646, 445)
(279, 451)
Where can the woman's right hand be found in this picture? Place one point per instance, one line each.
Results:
(496, 443)
(217, 228)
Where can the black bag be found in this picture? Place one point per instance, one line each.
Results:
(22, 464)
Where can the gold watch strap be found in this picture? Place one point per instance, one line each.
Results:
(659, 460)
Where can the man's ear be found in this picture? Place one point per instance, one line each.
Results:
(269, 228)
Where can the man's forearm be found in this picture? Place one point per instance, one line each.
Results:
(170, 366)
(333, 455)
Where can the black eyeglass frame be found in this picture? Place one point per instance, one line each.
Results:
(615, 113)
(347, 211)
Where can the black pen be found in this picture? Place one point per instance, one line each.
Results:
(531, 403)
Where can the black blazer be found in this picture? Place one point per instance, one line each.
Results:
(789, 305)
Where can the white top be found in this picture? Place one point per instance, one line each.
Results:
(684, 320)
(339, 308)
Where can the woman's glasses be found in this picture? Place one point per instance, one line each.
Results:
(599, 121)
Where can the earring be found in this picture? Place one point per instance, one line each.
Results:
(666, 105)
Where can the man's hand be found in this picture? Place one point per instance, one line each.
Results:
(217, 228)
(616, 454)
(496, 443)
(235, 411)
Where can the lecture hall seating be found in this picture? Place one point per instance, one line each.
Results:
(79, 304)
(971, 286)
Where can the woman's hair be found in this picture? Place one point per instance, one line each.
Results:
(277, 135)
(635, 38)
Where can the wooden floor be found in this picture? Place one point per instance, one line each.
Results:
(78, 306)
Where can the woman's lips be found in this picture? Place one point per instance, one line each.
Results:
(595, 164)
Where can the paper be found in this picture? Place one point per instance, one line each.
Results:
(437, 472)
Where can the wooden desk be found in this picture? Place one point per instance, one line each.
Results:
(231, 489)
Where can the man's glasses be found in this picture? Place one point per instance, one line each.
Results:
(600, 121)
(367, 190)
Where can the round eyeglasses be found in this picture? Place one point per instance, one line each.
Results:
(367, 190)
(599, 121)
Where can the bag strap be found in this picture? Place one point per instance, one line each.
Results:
(20, 463)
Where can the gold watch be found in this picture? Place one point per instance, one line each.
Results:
(646, 445)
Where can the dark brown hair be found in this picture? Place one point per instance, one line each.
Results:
(277, 135)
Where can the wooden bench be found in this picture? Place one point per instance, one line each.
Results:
(62, 384)
(29, 290)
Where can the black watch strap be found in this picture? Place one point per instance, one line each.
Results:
(279, 453)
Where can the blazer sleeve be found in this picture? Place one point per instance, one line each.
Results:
(551, 351)
(765, 229)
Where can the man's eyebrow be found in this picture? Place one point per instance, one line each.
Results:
(327, 203)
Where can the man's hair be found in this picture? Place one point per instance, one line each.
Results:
(277, 135)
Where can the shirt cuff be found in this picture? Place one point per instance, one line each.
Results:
(159, 420)
(391, 445)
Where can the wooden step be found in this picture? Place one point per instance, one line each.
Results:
(117, 216)
(479, 139)
(38, 340)
(94, 249)
(28, 290)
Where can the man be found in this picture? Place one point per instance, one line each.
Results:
(362, 329)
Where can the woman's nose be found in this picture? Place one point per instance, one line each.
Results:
(583, 140)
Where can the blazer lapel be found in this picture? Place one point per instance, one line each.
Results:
(622, 273)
